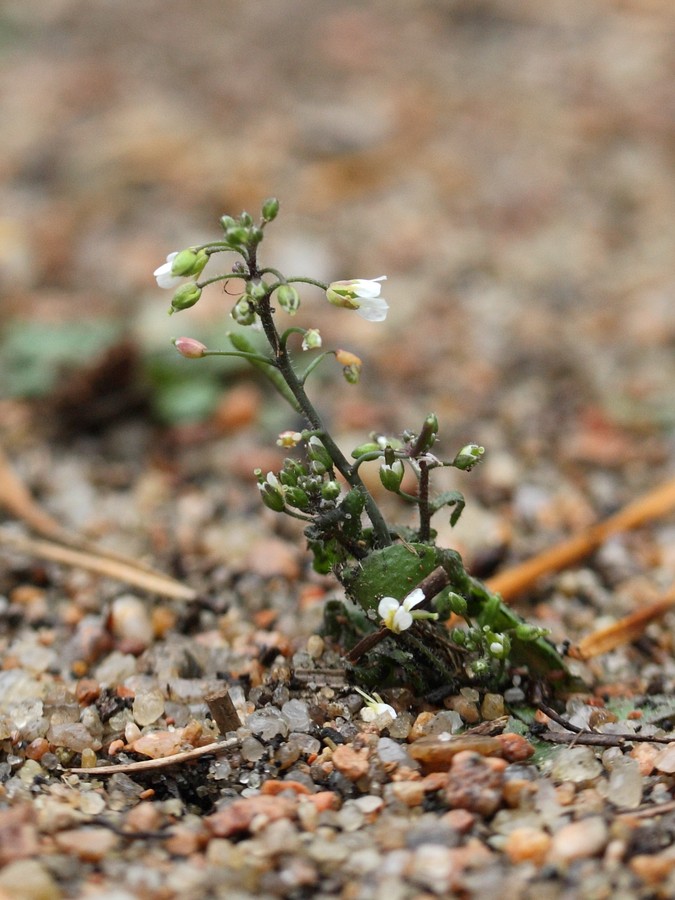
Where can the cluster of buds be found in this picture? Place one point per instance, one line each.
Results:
(307, 487)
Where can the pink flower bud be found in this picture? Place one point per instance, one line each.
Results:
(190, 348)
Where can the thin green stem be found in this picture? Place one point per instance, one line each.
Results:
(295, 386)
(251, 357)
(314, 363)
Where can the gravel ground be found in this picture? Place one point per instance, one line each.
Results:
(510, 169)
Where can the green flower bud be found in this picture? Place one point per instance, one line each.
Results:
(427, 436)
(498, 645)
(468, 456)
(185, 297)
(330, 490)
(243, 312)
(256, 290)
(295, 496)
(480, 667)
(187, 263)
(255, 234)
(288, 298)
(352, 374)
(312, 339)
(236, 235)
(525, 632)
(457, 603)
(227, 222)
(271, 492)
(459, 637)
(318, 453)
(392, 476)
(246, 219)
(270, 209)
(362, 449)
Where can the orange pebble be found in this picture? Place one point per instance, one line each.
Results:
(274, 786)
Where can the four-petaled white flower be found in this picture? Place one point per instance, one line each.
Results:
(164, 274)
(396, 615)
(289, 439)
(375, 706)
(361, 294)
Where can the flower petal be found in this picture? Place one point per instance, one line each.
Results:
(413, 599)
(402, 620)
(373, 309)
(387, 605)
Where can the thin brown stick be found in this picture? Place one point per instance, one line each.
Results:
(600, 739)
(626, 630)
(647, 812)
(148, 765)
(17, 499)
(650, 506)
(127, 571)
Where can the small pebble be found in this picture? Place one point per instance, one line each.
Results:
(315, 646)
(492, 707)
(350, 762)
(576, 764)
(148, 706)
(664, 761)
(528, 845)
(579, 840)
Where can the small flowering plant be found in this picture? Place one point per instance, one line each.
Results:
(411, 612)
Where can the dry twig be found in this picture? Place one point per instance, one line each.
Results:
(121, 569)
(148, 765)
(650, 506)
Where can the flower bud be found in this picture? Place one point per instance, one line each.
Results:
(330, 490)
(271, 492)
(185, 297)
(243, 312)
(458, 635)
(362, 449)
(391, 476)
(312, 339)
(499, 645)
(190, 348)
(236, 235)
(427, 436)
(270, 208)
(295, 496)
(468, 456)
(318, 453)
(246, 219)
(346, 358)
(288, 298)
(526, 632)
(457, 603)
(227, 222)
(256, 290)
(187, 263)
(352, 374)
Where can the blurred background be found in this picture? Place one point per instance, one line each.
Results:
(508, 166)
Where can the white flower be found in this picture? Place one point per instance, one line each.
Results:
(164, 274)
(289, 439)
(397, 616)
(375, 706)
(361, 294)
